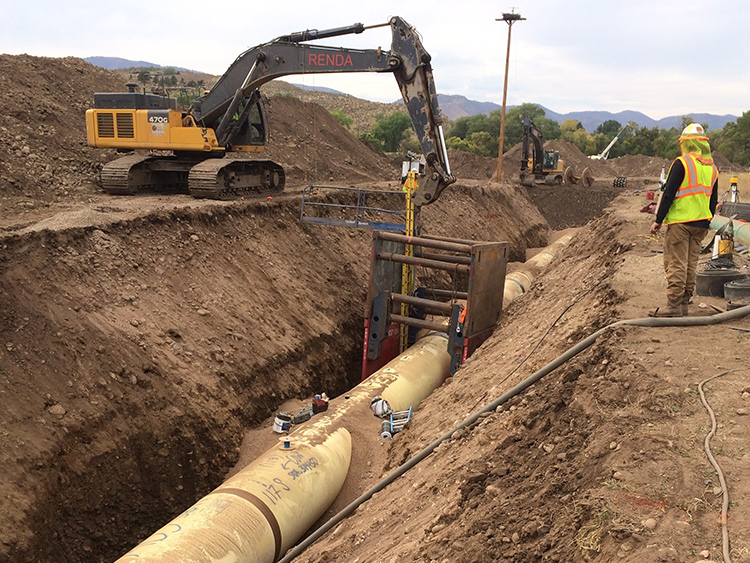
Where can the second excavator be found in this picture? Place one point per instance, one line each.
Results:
(208, 150)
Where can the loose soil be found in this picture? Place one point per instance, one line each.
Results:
(147, 343)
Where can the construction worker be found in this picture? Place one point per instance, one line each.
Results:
(687, 205)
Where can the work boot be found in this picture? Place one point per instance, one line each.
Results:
(685, 303)
(668, 311)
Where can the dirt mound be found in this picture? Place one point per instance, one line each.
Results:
(466, 165)
(363, 112)
(43, 151)
(313, 147)
(724, 164)
(639, 165)
(571, 206)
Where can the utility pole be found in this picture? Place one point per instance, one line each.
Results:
(510, 19)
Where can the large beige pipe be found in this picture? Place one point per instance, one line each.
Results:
(263, 510)
(259, 513)
(518, 282)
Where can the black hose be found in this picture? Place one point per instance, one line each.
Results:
(717, 467)
(525, 384)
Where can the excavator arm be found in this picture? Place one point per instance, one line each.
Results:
(531, 133)
(237, 89)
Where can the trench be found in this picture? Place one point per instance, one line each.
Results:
(149, 476)
(162, 403)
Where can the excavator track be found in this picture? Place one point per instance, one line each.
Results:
(230, 178)
(137, 173)
(126, 175)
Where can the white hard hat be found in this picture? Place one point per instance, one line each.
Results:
(694, 130)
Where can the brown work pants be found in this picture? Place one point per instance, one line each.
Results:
(682, 247)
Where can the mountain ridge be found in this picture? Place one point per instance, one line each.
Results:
(455, 106)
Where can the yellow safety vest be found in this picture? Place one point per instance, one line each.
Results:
(692, 201)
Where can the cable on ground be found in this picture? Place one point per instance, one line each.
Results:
(722, 481)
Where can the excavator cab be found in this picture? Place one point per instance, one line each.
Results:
(550, 160)
(252, 130)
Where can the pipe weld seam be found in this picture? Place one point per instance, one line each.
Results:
(260, 505)
(518, 283)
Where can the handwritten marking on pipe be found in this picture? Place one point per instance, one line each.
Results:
(157, 538)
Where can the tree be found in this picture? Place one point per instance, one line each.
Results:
(609, 129)
(480, 142)
(388, 132)
(144, 77)
(686, 120)
(735, 141)
(342, 118)
(514, 124)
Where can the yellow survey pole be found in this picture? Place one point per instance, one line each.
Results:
(411, 185)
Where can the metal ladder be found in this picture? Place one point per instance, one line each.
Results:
(395, 423)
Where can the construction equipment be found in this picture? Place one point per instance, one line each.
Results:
(466, 312)
(538, 165)
(211, 144)
(605, 153)
(586, 179)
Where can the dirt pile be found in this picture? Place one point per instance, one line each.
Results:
(313, 147)
(466, 165)
(724, 164)
(43, 150)
(363, 112)
(639, 165)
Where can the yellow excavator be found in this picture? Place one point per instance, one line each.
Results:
(538, 165)
(212, 149)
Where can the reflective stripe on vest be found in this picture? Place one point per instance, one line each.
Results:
(692, 201)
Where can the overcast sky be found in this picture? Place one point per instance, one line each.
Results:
(659, 57)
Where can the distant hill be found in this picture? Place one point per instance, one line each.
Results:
(460, 106)
(116, 63)
(318, 89)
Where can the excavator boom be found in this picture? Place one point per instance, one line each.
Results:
(407, 60)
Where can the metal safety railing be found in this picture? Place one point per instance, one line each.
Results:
(358, 214)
